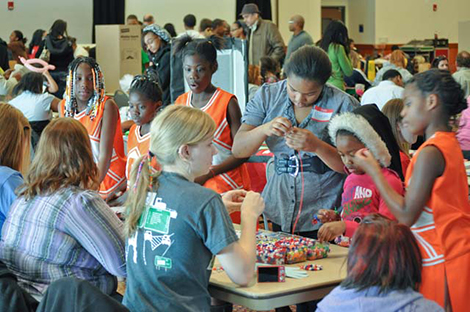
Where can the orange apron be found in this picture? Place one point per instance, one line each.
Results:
(137, 145)
(442, 230)
(115, 176)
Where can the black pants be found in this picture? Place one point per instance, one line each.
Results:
(73, 294)
(309, 234)
(12, 297)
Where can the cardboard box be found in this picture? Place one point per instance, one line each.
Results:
(118, 52)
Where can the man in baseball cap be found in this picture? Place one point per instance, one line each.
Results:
(264, 36)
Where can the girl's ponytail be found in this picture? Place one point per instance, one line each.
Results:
(141, 181)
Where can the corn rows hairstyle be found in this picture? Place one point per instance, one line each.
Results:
(392, 110)
(63, 159)
(14, 139)
(71, 106)
(384, 254)
(175, 126)
(148, 86)
(205, 48)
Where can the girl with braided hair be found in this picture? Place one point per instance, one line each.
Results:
(85, 101)
(145, 99)
(199, 64)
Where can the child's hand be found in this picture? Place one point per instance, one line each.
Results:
(253, 205)
(330, 230)
(302, 140)
(326, 215)
(279, 126)
(364, 159)
(233, 200)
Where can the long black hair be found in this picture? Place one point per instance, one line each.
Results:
(59, 28)
(335, 32)
(36, 40)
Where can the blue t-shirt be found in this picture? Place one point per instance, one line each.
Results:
(9, 180)
(168, 256)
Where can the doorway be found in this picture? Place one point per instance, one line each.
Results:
(331, 13)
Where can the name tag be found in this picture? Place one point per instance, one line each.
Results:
(321, 114)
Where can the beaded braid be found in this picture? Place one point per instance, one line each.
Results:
(71, 105)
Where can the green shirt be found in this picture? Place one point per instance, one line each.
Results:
(340, 65)
(145, 60)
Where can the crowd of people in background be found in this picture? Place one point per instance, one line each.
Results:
(403, 211)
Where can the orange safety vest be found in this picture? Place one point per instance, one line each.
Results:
(137, 145)
(115, 176)
(442, 230)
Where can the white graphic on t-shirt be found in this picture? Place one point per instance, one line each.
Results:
(132, 241)
(362, 192)
(156, 241)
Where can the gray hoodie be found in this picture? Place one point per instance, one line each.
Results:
(369, 300)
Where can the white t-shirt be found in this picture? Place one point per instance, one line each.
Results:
(35, 107)
(192, 33)
(384, 92)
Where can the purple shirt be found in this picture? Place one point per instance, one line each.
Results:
(71, 232)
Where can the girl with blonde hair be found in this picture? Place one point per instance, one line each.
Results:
(14, 155)
(175, 226)
(73, 230)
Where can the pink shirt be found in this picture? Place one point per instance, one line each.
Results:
(361, 198)
(463, 133)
